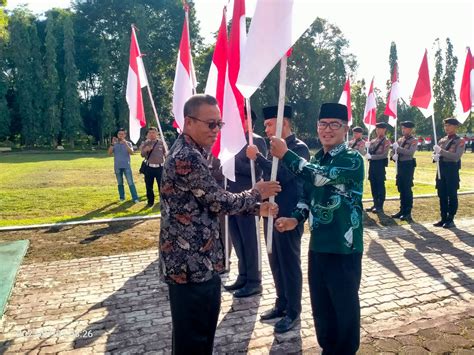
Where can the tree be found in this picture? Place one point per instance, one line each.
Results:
(4, 112)
(447, 83)
(72, 121)
(392, 60)
(52, 119)
(438, 95)
(107, 117)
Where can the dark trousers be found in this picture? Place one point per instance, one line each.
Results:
(285, 263)
(334, 281)
(405, 172)
(194, 312)
(377, 182)
(152, 174)
(244, 239)
(447, 188)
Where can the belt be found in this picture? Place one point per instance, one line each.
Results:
(155, 165)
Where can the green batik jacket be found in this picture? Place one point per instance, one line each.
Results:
(332, 198)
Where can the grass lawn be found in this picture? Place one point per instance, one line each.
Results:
(67, 186)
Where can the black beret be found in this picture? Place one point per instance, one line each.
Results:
(381, 125)
(272, 112)
(407, 124)
(357, 129)
(452, 121)
(333, 110)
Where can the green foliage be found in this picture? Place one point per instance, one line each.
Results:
(107, 118)
(4, 111)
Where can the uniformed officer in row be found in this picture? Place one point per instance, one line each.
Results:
(402, 154)
(357, 142)
(378, 160)
(448, 153)
(285, 259)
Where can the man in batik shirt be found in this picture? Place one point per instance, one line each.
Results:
(191, 253)
(333, 202)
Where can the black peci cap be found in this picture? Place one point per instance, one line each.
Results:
(357, 129)
(407, 124)
(381, 125)
(452, 121)
(333, 110)
(272, 112)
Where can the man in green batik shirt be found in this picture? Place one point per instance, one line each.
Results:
(333, 203)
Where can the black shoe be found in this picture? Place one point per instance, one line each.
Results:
(285, 324)
(439, 224)
(248, 291)
(406, 218)
(449, 225)
(397, 215)
(370, 209)
(378, 210)
(235, 286)
(149, 205)
(272, 314)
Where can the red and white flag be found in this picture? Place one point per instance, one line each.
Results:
(422, 97)
(217, 74)
(466, 94)
(273, 31)
(136, 80)
(184, 77)
(346, 100)
(370, 111)
(392, 100)
(232, 134)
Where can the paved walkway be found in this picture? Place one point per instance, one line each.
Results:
(417, 296)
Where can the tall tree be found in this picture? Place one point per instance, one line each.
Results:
(4, 112)
(107, 117)
(392, 60)
(72, 121)
(438, 94)
(447, 83)
(37, 72)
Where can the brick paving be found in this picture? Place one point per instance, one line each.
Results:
(417, 297)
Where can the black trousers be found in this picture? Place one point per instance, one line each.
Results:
(244, 239)
(285, 263)
(334, 281)
(152, 174)
(377, 181)
(405, 172)
(447, 188)
(194, 312)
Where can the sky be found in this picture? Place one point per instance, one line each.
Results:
(370, 26)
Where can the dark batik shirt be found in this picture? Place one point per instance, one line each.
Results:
(190, 249)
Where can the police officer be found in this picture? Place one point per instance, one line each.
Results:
(402, 154)
(285, 259)
(448, 153)
(378, 160)
(242, 228)
(357, 142)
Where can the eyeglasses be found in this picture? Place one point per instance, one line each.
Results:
(211, 124)
(334, 126)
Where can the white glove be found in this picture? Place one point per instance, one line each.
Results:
(395, 157)
(395, 146)
(436, 158)
(367, 144)
(368, 156)
(437, 149)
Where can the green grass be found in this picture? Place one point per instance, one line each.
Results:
(67, 186)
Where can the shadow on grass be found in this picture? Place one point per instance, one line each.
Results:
(114, 227)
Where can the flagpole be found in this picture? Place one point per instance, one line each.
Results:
(396, 161)
(435, 143)
(226, 235)
(252, 172)
(368, 161)
(279, 127)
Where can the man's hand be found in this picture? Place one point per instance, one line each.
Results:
(278, 147)
(368, 156)
(268, 209)
(395, 146)
(437, 149)
(367, 144)
(267, 188)
(395, 157)
(252, 152)
(284, 224)
(114, 140)
(435, 158)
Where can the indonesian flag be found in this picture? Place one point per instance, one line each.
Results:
(370, 111)
(232, 134)
(421, 97)
(466, 94)
(217, 74)
(184, 78)
(346, 100)
(392, 100)
(275, 27)
(136, 80)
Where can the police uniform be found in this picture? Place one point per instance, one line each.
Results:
(378, 150)
(285, 259)
(357, 144)
(452, 148)
(406, 163)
